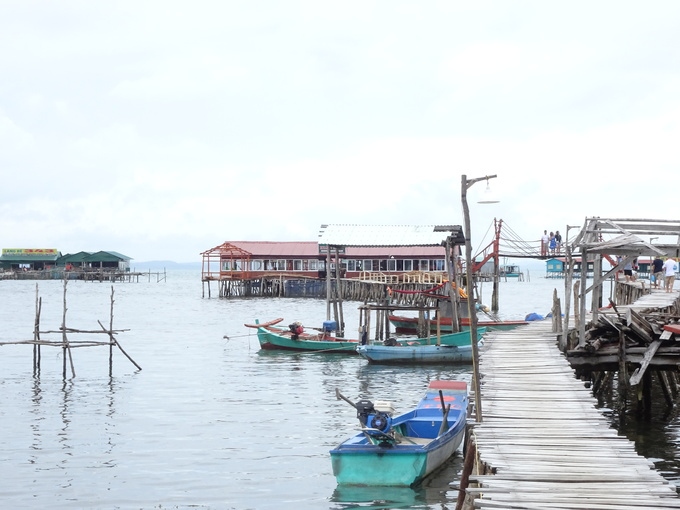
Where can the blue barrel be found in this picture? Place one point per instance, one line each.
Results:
(329, 326)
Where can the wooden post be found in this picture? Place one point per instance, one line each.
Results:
(577, 311)
(623, 376)
(666, 387)
(338, 290)
(647, 394)
(328, 282)
(597, 286)
(36, 333)
(454, 295)
(66, 346)
(582, 298)
(569, 274)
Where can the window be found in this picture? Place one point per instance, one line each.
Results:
(256, 265)
(439, 265)
(368, 265)
(351, 265)
(281, 264)
(297, 265)
(313, 265)
(424, 265)
(408, 265)
(391, 265)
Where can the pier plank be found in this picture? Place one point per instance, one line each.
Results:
(546, 442)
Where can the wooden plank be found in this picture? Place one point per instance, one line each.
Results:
(548, 444)
(640, 371)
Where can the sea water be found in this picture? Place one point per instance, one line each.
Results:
(210, 420)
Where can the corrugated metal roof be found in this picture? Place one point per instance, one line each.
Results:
(273, 249)
(386, 235)
(105, 256)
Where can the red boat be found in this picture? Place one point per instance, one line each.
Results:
(409, 325)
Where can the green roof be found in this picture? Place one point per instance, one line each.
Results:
(105, 256)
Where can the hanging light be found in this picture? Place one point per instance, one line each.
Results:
(488, 197)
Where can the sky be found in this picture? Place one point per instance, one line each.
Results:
(160, 129)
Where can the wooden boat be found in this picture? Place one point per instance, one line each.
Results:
(416, 354)
(401, 451)
(294, 338)
(409, 325)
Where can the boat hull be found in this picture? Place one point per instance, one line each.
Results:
(358, 461)
(460, 339)
(419, 354)
(271, 338)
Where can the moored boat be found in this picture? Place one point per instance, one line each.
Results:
(294, 338)
(420, 354)
(403, 450)
(409, 325)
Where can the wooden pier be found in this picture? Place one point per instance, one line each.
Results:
(88, 275)
(542, 443)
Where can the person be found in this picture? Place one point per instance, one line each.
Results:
(657, 272)
(545, 239)
(628, 271)
(552, 244)
(619, 258)
(558, 241)
(670, 267)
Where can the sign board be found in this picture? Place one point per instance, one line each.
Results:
(30, 252)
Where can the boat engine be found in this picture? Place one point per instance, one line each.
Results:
(371, 418)
(296, 329)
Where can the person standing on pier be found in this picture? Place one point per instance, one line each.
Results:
(628, 271)
(558, 241)
(552, 243)
(670, 267)
(657, 272)
(545, 239)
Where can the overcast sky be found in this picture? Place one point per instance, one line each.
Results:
(161, 129)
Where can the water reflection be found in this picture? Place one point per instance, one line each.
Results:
(436, 489)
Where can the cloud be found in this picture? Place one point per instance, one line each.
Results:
(154, 127)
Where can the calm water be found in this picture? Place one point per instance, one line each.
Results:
(210, 421)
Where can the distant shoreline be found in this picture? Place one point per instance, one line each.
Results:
(164, 264)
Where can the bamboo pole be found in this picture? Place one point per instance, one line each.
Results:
(64, 337)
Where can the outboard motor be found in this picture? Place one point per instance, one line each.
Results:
(296, 329)
(372, 419)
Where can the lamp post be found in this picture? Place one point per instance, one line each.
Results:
(472, 312)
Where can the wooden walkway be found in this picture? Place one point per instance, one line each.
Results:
(546, 444)
(657, 299)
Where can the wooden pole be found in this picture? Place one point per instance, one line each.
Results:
(64, 337)
(465, 184)
(454, 295)
(328, 282)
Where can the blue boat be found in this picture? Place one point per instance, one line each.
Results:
(401, 451)
(420, 354)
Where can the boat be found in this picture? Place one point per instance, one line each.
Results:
(417, 354)
(510, 271)
(401, 451)
(409, 325)
(294, 338)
